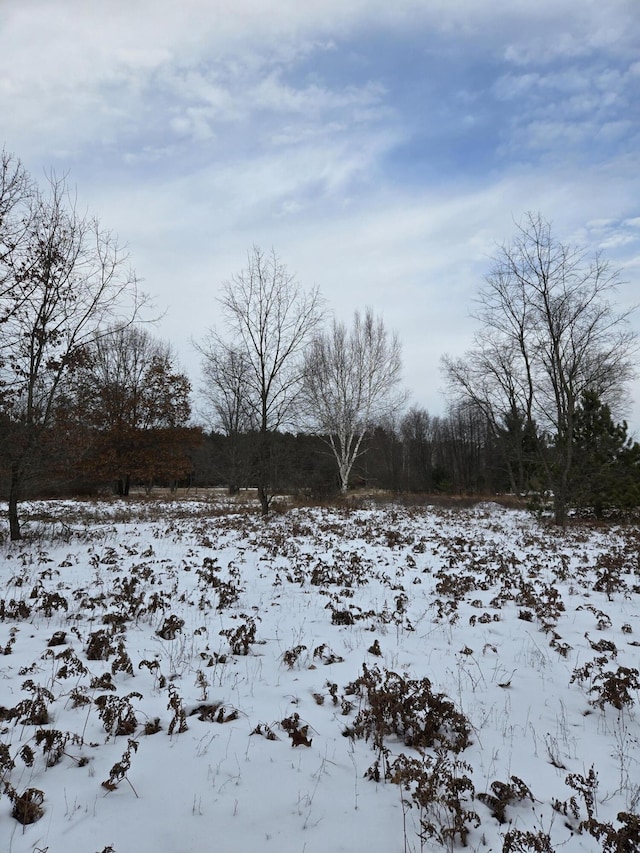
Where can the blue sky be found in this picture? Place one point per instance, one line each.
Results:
(384, 150)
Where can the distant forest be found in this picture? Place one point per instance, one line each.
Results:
(458, 454)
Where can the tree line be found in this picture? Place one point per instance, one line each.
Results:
(291, 397)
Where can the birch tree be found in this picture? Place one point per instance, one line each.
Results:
(351, 382)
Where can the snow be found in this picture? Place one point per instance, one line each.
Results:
(497, 610)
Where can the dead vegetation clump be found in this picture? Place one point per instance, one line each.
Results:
(407, 708)
(27, 807)
(117, 713)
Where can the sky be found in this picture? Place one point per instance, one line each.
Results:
(383, 150)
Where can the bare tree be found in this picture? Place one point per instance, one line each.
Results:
(351, 382)
(503, 394)
(418, 430)
(226, 395)
(549, 334)
(225, 390)
(62, 280)
(269, 318)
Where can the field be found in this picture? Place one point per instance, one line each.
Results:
(179, 676)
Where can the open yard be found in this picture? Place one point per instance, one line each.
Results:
(181, 676)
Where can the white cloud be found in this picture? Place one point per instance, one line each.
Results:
(74, 50)
(416, 256)
(202, 127)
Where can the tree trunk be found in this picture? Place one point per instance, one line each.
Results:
(263, 494)
(344, 468)
(562, 490)
(560, 509)
(511, 477)
(122, 486)
(14, 523)
(345, 450)
(264, 467)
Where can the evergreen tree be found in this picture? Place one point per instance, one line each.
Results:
(607, 461)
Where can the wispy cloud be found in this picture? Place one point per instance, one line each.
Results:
(383, 149)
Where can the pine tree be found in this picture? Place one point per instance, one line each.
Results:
(607, 461)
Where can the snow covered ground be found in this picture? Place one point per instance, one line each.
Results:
(180, 676)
